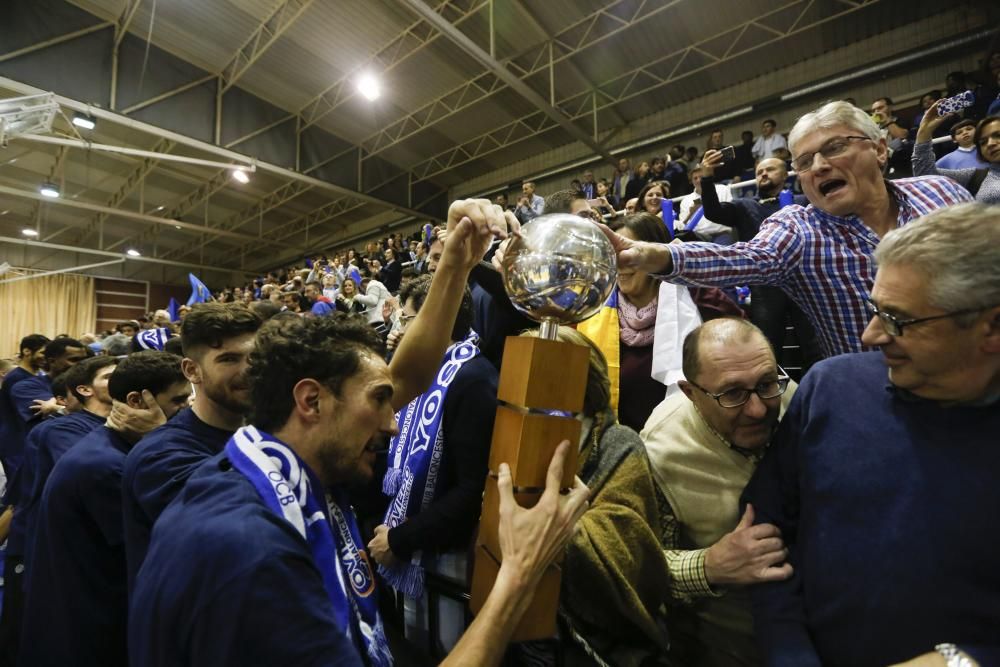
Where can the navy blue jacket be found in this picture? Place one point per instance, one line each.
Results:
(888, 505)
(17, 394)
(155, 472)
(76, 610)
(46, 445)
(226, 582)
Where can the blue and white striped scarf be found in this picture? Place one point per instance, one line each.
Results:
(415, 461)
(291, 490)
(153, 339)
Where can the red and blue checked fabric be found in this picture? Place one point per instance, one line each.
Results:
(825, 263)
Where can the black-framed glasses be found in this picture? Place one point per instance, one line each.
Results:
(894, 326)
(734, 398)
(833, 148)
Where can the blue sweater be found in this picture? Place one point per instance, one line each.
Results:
(888, 506)
(76, 610)
(155, 472)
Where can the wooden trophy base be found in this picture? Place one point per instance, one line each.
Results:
(541, 390)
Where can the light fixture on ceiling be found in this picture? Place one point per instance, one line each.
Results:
(158, 209)
(28, 231)
(241, 176)
(84, 121)
(369, 87)
(132, 252)
(49, 189)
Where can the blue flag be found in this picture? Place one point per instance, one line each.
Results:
(355, 275)
(786, 198)
(173, 309)
(199, 293)
(667, 207)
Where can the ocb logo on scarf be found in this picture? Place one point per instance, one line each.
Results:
(355, 560)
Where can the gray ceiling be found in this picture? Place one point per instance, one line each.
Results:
(445, 116)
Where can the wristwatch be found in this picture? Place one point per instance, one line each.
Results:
(953, 657)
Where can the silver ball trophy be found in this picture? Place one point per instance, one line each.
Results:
(559, 271)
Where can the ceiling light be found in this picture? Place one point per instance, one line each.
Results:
(132, 252)
(84, 121)
(49, 190)
(158, 209)
(27, 231)
(241, 176)
(369, 87)
(177, 226)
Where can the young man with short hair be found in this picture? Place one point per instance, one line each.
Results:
(21, 387)
(237, 537)
(965, 156)
(78, 558)
(88, 383)
(217, 338)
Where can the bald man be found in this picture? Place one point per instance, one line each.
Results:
(769, 306)
(703, 446)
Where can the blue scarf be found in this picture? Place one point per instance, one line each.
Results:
(415, 460)
(153, 339)
(291, 490)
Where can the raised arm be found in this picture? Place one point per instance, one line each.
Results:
(472, 224)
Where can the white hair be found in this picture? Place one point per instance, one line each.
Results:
(832, 114)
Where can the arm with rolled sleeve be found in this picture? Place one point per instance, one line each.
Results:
(780, 620)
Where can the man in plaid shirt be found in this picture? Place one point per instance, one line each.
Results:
(821, 254)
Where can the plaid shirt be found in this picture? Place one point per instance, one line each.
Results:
(825, 263)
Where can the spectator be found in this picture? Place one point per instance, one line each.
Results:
(576, 185)
(638, 181)
(715, 140)
(983, 183)
(392, 272)
(768, 141)
(117, 345)
(966, 155)
(631, 205)
(705, 443)
(127, 328)
(839, 155)
(319, 305)
(707, 230)
(604, 192)
(677, 172)
(926, 100)
(621, 178)
(636, 301)
(373, 297)
(652, 196)
(691, 157)
(501, 201)
(568, 201)
(770, 306)
(330, 286)
(589, 186)
(529, 205)
(16, 402)
(892, 131)
(657, 169)
(854, 439)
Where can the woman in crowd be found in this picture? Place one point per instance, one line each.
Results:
(983, 184)
(614, 576)
(636, 299)
(638, 181)
(651, 196)
(345, 301)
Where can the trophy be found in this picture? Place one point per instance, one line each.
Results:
(559, 271)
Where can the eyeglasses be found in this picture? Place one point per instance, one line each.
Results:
(894, 326)
(734, 398)
(832, 148)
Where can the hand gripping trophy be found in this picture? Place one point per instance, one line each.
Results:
(559, 271)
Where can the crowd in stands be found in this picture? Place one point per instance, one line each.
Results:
(261, 477)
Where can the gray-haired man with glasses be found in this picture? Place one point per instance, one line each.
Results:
(884, 484)
(703, 446)
(820, 254)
